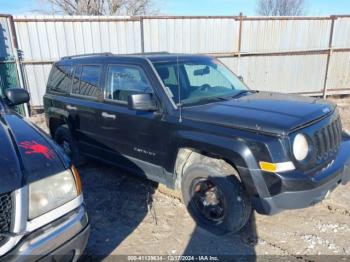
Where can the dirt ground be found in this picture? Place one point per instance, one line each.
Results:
(130, 216)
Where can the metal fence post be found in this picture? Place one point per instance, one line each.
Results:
(239, 41)
(17, 59)
(329, 55)
(142, 35)
(240, 33)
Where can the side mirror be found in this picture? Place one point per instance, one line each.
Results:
(241, 78)
(16, 96)
(142, 102)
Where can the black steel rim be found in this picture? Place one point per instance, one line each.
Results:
(208, 199)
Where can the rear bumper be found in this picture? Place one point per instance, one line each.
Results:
(319, 186)
(65, 238)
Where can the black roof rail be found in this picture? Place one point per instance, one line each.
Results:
(152, 53)
(86, 55)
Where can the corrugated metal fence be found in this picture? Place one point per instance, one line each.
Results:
(308, 55)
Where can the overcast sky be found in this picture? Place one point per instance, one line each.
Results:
(192, 7)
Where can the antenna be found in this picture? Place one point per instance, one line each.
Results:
(179, 88)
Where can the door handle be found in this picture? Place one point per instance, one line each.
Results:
(71, 107)
(106, 115)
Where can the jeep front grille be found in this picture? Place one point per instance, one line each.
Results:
(327, 140)
(5, 216)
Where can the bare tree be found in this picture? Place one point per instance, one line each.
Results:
(103, 7)
(281, 7)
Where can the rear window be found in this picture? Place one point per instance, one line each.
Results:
(86, 80)
(60, 79)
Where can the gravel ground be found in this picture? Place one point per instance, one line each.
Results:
(131, 216)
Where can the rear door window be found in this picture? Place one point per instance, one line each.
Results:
(90, 80)
(86, 80)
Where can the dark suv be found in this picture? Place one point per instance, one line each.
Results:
(188, 122)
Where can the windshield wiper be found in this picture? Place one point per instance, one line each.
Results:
(222, 98)
(208, 100)
(241, 92)
(214, 98)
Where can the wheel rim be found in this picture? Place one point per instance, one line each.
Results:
(208, 199)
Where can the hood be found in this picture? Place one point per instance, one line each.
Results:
(26, 155)
(266, 112)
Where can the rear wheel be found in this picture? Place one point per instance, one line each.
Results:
(215, 199)
(64, 139)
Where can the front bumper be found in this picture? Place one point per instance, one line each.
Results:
(64, 238)
(318, 186)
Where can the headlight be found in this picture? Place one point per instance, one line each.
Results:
(300, 147)
(52, 192)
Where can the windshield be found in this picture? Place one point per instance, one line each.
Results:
(202, 80)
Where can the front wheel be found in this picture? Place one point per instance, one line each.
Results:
(215, 199)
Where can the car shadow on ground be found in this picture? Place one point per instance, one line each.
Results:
(118, 202)
(232, 247)
(116, 205)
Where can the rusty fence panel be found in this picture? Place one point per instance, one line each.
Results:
(306, 55)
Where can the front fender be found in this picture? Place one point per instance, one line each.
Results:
(235, 151)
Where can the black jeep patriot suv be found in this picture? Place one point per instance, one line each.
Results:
(190, 123)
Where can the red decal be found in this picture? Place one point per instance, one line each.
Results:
(35, 148)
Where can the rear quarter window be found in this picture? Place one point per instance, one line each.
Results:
(60, 79)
